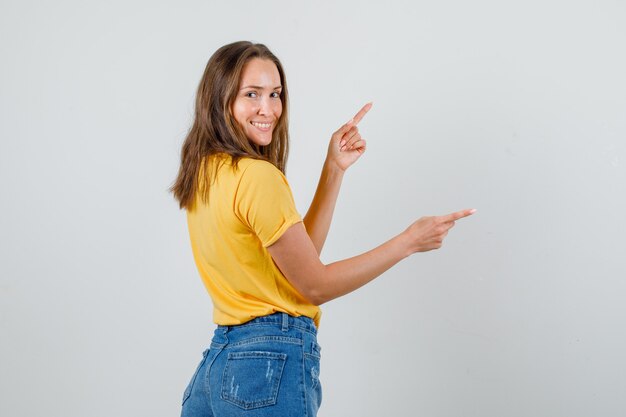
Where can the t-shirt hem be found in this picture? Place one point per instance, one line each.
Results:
(286, 225)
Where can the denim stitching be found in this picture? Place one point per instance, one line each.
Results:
(277, 325)
(191, 383)
(314, 378)
(207, 375)
(260, 339)
(303, 383)
(276, 320)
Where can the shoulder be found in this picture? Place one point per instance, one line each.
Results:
(257, 169)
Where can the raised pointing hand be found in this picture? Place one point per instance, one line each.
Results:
(346, 144)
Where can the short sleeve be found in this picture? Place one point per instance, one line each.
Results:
(264, 202)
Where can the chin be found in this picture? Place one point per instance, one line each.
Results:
(261, 141)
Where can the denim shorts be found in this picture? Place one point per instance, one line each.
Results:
(269, 366)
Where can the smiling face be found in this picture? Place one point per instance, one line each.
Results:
(257, 107)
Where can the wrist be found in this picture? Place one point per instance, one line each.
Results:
(404, 241)
(332, 168)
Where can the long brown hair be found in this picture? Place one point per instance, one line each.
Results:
(215, 130)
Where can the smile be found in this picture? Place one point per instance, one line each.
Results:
(262, 126)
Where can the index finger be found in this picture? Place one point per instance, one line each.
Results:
(357, 118)
(458, 215)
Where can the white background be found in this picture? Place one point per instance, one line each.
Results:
(514, 108)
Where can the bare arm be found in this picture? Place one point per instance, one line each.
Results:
(346, 146)
(296, 256)
(319, 216)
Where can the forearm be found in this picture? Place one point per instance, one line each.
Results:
(319, 216)
(296, 256)
(342, 277)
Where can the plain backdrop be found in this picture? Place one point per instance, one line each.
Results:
(516, 108)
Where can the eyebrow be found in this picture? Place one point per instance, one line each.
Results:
(258, 87)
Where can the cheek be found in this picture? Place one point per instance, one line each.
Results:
(278, 110)
(239, 113)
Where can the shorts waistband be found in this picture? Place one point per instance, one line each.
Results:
(283, 320)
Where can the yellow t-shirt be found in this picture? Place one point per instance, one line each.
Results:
(248, 210)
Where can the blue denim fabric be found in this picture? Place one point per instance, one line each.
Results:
(266, 367)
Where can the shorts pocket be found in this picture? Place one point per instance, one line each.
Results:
(312, 366)
(187, 392)
(251, 379)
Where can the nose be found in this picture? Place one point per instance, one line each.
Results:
(265, 106)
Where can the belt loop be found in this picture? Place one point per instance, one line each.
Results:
(285, 322)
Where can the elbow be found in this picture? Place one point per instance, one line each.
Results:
(316, 293)
(312, 295)
(312, 284)
(320, 289)
(315, 297)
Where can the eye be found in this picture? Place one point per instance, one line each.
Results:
(275, 94)
(251, 94)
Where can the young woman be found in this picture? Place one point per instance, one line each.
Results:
(258, 258)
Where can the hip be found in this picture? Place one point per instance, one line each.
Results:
(270, 364)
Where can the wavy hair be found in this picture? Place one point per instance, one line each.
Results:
(215, 129)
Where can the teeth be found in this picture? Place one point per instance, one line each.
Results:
(262, 125)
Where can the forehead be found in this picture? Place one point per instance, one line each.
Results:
(260, 72)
